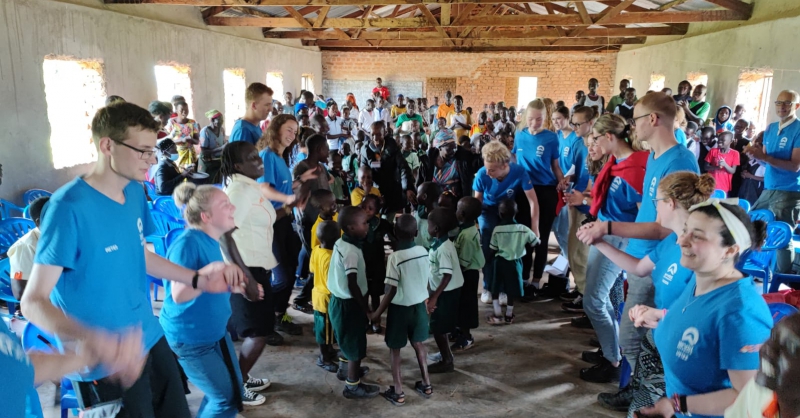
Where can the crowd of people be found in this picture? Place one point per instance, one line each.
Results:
(387, 218)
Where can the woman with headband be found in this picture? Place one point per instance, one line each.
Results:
(710, 336)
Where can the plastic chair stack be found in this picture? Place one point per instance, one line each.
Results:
(166, 205)
(9, 209)
(761, 263)
(762, 215)
(164, 225)
(744, 204)
(719, 194)
(11, 230)
(34, 339)
(5, 287)
(34, 194)
(151, 190)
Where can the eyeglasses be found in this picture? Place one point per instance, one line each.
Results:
(594, 138)
(633, 120)
(656, 200)
(786, 103)
(143, 154)
(578, 125)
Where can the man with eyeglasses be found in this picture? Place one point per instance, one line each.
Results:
(89, 280)
(654, 120)
(781, 155)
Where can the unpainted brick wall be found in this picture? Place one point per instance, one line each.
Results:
(437, 87)
(480, 77)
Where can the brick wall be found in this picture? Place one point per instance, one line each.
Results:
(436, 87)
(479, 77)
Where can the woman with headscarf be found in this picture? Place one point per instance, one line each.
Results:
(212, 140)
(351, 101)
(452, 167)
(185, 133)
(161, 112)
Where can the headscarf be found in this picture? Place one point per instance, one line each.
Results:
(737, 229)
(352, 100)
(159, 108)
(213, 113)
(444, 137)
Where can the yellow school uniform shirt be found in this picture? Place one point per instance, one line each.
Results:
(357, 195)
(319, 264)
(314, 240)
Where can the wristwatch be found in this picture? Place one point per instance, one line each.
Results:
(585, 202)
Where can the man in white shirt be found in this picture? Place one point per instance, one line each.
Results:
(335, 133)
(368, 115)
(23, 252)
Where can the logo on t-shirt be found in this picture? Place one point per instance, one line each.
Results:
(615, 184)
(540, 150)
(671, 270)
(652, 190)
(140, 225)
(686, 346)
(565, 152)
(510, 193)
(783, 142)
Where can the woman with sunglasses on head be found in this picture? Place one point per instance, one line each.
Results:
(616, 196)
(711, 334)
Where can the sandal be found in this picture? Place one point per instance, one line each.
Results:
(494, 320)
(327, 365)
(509, 319)
(397, 399)
(425, 390)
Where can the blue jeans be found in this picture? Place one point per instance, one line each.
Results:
(785, 206)
(207, 369)
(561, 230)
(486, 222)
(600, 278)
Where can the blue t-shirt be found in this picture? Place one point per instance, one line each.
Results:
(245, 131)
(494, 191)
(201, 320)
(535, 153)
(276, 173)
(703, 337)
(100, 244)
(669, 276)
(673, 160)
(572, 151)
(621, 202)
(17, 393)
(780, 145)
(680, 136)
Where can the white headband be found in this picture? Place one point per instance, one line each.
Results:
(737, 229)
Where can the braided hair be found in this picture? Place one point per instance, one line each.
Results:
(231, 155)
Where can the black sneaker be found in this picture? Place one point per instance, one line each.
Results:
(341, 374)
(299, 283)
(286, 325)
(303, 308)
(250, 398)
(361, 391)
(570, 296)
(604, 372)
(582, 322)
(441, 367)
(576, 306)
(274, 339)
(619, 401)
(256, 384)
(463, 344)
(594, 357)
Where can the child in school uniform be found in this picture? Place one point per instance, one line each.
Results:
(347, 310)
(325, 202)
(445, 286)
(427, 196)
(365, 186)
(326, 234)
(508, 247)
(471, 260)
(374, 255)
(407, 279)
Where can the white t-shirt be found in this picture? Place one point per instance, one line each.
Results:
(334, 128)
(254, 217)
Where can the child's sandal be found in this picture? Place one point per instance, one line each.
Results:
(509, 319)
(397, 399)
(425, 390)
(494, 320)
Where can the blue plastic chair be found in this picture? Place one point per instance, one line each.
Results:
(762, 215)
(34, 339)
(171, 236)
(11, 230)
(165, 223)
(6, 294)
(34, 194)
(8, 209)
(151, 190)
(719, 194)
(165, 204)
(781, 310)
(762, 263)
(744, 204)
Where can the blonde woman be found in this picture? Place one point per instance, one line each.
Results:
(536, 149)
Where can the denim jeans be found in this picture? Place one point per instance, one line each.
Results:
(786, 208)
(597, 301)
(561, 230)
(565, 228)
(207, 369)
(640, 292)
(486, 223)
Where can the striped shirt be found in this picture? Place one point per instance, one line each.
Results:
(408, 271)
(510, 240)
(346, 259)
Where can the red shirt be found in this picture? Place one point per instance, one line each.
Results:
(383, 91)
(721, 176)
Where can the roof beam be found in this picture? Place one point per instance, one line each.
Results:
(298, 17)
(508, 20)
(346, 2)
(680, 29)
(581, 11)
(445, 17)
(745, 9)
(321, 17)
(605, 16)
(480, 43)
(589, 49)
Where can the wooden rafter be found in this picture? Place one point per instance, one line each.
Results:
(323, 13)
(539, 33)
(673, 3)
(445, 14)
(474, 42)
(588, 49)
(607, 14)
(432, 20)
(581, 11)
(746, 9)
(331, 2)
(464, 13)
(299, 18)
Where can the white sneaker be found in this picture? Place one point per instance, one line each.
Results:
(255, 384)
(503, 299)
(486, 297)
(251, 398)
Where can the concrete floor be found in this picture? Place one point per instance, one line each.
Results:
(526, 369)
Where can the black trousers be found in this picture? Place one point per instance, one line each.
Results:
(548, 200)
